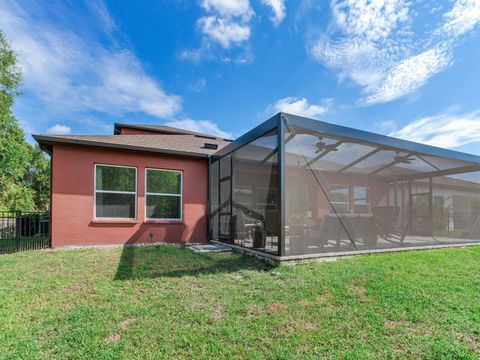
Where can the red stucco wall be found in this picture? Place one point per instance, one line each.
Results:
(73, 189)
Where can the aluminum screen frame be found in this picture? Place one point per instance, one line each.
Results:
(394, 157)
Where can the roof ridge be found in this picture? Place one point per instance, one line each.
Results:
(161, 128)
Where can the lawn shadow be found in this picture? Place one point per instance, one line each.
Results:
(140, 262)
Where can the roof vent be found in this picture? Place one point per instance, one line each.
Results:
(210, 146)
(205, 136)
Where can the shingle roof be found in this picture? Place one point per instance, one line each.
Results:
(174, 144)
(162, 129)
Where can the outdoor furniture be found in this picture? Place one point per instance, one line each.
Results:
(259, 238)
(361, 226)
(386, 218)
(244, 226)
(349, 227)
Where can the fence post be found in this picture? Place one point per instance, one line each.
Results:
(18, 228)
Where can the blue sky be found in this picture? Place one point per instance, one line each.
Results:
(404, 68)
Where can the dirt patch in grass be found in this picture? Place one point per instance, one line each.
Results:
(326, 295)
(126, 323)
(113, 338)
(82, 287)
(293, 327)
(309, 326)
(195, 287)
(218, 313)
(389, 324)
(254, 310)
(276, 307)
(361, 291)
(304, 303)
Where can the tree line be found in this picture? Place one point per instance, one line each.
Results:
(24, 169)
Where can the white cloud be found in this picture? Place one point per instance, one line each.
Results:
(198, 86)
(463, 17)
(195, 55)
(372, 44)
(299, 106)
(224, 31)
(373, 20)
(446, 130)
(73, 72)
(409, 75)
(278, 9)
(227, 23)
(201, 126)
(229, 8)
(59, 129)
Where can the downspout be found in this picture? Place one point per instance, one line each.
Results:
(209, 227)
(51, 201)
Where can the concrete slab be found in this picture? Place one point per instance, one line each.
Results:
(206, 248)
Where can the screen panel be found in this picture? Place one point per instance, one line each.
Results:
(345, 195)
(255, 202)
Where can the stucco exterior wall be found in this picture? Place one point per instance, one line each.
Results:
(129, 131)
(73, 220)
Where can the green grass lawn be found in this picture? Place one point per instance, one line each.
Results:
(167, 302)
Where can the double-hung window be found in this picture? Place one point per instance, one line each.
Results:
(163, 193)
(339, 198)
(361, 200)
(115, 192)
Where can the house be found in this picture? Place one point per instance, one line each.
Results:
(291, 187)
(144, 184)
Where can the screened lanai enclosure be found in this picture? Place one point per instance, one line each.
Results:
(296, 186)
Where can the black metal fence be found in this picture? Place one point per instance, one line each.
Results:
(20, 231)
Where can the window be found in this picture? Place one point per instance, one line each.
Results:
(339, 198)
(361, 200)
(267, 198)
(115, 192)
(163, 194)
(243, 196)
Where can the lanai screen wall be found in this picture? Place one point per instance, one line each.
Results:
(245, 196)
(343, 190)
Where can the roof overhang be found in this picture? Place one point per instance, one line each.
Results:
(46, 144)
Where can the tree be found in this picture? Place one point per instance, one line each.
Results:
(24, 170)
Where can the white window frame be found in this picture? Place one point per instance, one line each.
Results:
(113, 192)
(164, 194)
(368, 201)
(333, 203)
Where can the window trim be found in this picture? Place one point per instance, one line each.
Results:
(180, 219)
(368, 200)
(95, 217)
(333, 203)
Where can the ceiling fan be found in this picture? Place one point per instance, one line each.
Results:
(322, 146)
(406, 159)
